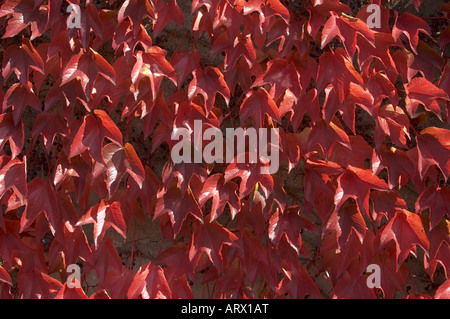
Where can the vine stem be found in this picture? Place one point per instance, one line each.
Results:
(132, 246)
(412, 276)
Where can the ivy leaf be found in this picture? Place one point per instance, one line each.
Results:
(176, 262)
(150, 283)
(326, 136)
(406, 230)
(103, 216)
(18, 97)
(257, 103)
(356, 183)
(437, 199)
(184, 62)
(87, 66)
(41, 198)
(90, 135)
(21, 59)
(421, 91)
(12, 133)
(209, 237)
(282, 75)
(124, 38)
(120, 160)
(346, 28)
(208, 83)
(178, 206)
(337, 69)
(290, 225)
(135, 11)
(37, 285)
(251, 174)
(410, 25)
(443, 292)
(166, 12)
(433, 146)
(24, 13)
(222, 193)
(152, 64)
(241, 46)
(49, 124)
(106, 259)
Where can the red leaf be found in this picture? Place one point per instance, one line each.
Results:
(135, 11)
(299, 284)
(49, 124)
(149, 283)
(356, 155)
(352, 285)
(326, 136)
(422, 91)
(240, 46)
(166, 12)
(437, 199)
(120, 160)
(117, 282)
(41, 197)
(443, 292)
(124, 38)
(72, 245)
(4, 276)
(177, 262)
(178, 206)
(90, 135)
(184, 62)
(20, 59)
(337, 69)
(281, 75)
(152, 64)
(103, 216)
(37, 285)
(392, 122)
(346, 28)
(406, 230)
(250, 174)
(433, 146)
(106, 259)
(208, 83)
(209, 237)
(24, 12)
(148, 192)
(13, 176)
(12, 133)
(398, 164)
(18, 97)
(320, 12)
(410, 25)
(71, 293)
(87, 66)
(439, 251)
(386, 203)
(257, 104)
(356, 183)
(346, 219)
(222, 194)
(289, 224)
(256, 258)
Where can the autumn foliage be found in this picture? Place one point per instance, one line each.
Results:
(86, 120)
